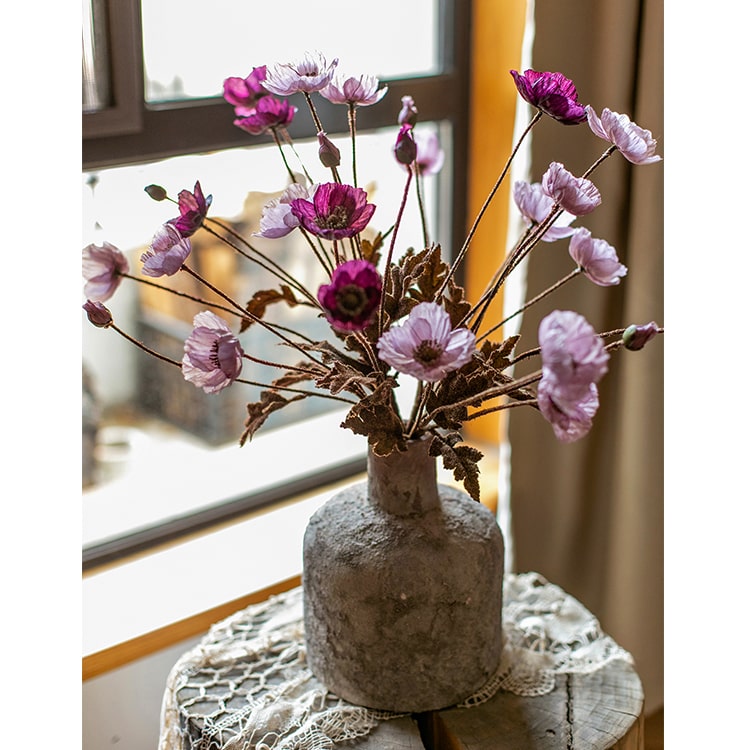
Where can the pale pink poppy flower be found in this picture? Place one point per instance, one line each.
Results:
(597, 258)
(577, 195)
(636, 144)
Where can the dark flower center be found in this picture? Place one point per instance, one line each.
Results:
(337, 218)
(428, 352)
(213, 356)
(351, 300)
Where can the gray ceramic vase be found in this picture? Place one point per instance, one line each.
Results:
(403, 589)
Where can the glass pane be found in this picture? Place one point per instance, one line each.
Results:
(209, 43)
(94, 56)
(139, 412)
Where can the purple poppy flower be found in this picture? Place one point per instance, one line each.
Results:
(425, 346)
(597, 258)
(336, 211)
(97, 314)
(102, 269)
(552, 93)
(570, 420)
(358, 90)
(311, 73)
(634, 143)
(573, 356)
(636, 337)
(430, 156)
(405, 148)
(328, 152)
(409, 113)
(244, 93)
(269, 113)
(277, 219)
(353, 296)
(193, 209)
(535, 205)
(213, 355)
(166, 253)
(577, 195)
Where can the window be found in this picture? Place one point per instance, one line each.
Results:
(152, 116)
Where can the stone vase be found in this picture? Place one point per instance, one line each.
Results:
(402, 583)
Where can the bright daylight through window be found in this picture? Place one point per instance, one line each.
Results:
(144, 426)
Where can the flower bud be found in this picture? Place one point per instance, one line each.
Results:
(636, 337)
(405, 148)
(328, 154)
(157, 192)
(98, 314)
(408, 114)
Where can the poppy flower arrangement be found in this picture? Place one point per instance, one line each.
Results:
(394, 312)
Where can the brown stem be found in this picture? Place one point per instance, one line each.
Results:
(531, 302)
(462, 252)
(260, 321)
(390, 249)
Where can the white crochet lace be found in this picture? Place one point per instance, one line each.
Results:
(246, 685)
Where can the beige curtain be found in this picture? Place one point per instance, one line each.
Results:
(589, 515)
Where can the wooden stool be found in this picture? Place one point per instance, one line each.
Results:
(599, 710)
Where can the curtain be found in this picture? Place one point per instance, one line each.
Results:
(589, 515)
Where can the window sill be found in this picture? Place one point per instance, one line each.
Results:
(154, 600)
(134, 608)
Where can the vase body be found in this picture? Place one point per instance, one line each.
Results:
(402, 583)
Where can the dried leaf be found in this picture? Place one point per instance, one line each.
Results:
(258, 412)
(375, 417)
(371, 250)
(341, 377)
(463, 460)
(455, 303)
(262, 299)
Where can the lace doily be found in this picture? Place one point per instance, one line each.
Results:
(246, 685)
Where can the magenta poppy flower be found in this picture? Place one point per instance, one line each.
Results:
(277, 219)
(636, 337)
(597, 258)
(244, 93)
(213, 355)
(102, 269)
(570, 420)
(336, 211)
(311, 73)
(361, 91)
(552, 93)
(97, 314)
(166, 253)
(535, 206)
(269, 113)
(573, 355)
(576, 195)
(193, 209)
(353, 296)
(636, 144)
(424, 344)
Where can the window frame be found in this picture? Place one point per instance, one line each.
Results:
(133, 131)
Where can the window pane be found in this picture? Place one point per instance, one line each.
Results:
(137, 401)
(230, 38)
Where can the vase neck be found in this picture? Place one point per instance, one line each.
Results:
(403, 483)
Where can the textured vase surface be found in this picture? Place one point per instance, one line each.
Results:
(402, 584)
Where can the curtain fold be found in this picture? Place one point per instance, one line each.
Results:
(589, 515)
